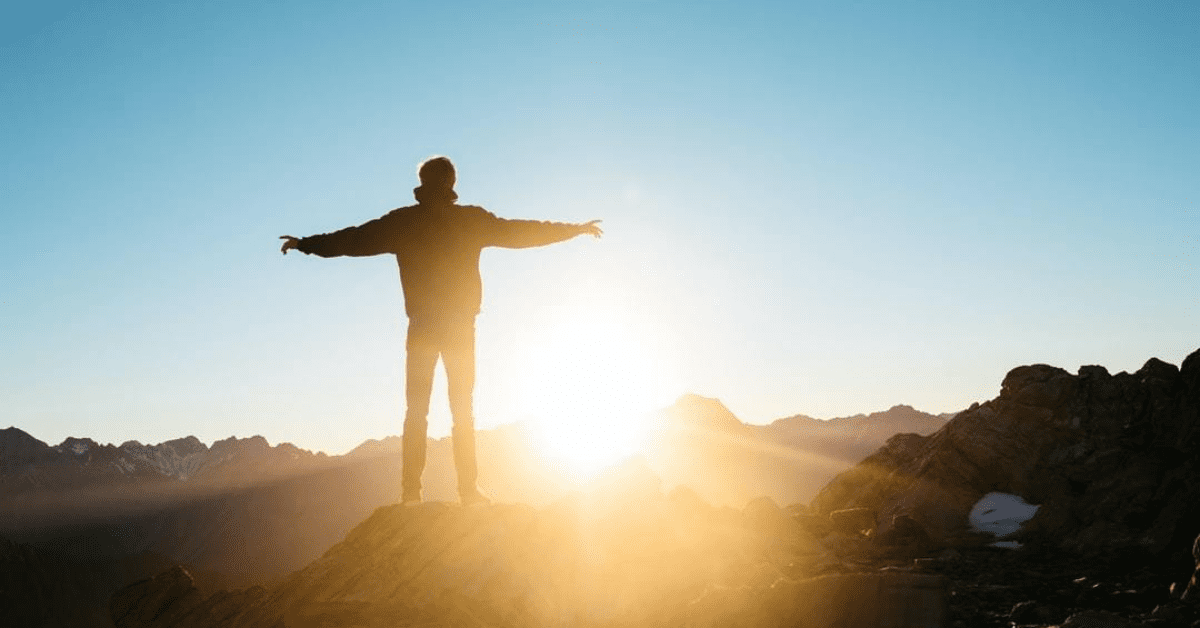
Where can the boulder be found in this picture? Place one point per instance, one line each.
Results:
(852, 520)
(159, 601)
(903, 530)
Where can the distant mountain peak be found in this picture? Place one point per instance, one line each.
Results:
(692, 411)
(376, 447)
(18, 449)
(27, 463)
(77, 446)
(186, 445)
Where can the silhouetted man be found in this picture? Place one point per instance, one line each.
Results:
(437, 244)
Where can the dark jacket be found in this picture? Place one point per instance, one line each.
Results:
(437, 244)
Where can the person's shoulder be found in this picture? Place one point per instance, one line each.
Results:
(475, 212)
(400, 213)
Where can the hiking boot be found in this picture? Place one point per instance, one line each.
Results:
(475, 498)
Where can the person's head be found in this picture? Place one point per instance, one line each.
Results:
(437, 173)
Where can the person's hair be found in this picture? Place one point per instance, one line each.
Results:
(437, 172)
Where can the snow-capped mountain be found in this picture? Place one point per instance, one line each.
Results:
(27, 463)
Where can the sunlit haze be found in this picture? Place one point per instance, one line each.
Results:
(823, 208)
(589, 387)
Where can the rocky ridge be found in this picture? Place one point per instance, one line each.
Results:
(1112, 460)
(28, 465)
(618, 554)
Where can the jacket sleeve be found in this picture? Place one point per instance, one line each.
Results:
(520, 234)
(373, 237)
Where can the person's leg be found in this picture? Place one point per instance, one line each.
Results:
(458, 356)
(422, 354)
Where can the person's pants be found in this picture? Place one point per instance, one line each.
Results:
(454, 340)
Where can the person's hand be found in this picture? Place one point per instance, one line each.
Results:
(591, 228)
(289, 243)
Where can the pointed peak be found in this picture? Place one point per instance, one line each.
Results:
(698, 412)
(374, 447)
(17, 434)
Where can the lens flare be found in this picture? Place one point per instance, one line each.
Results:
(591, 389)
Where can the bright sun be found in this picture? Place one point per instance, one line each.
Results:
(591, 388)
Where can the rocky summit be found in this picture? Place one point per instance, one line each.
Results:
(619, 554)
(1112, 461)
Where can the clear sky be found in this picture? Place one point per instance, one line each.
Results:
(810, 207)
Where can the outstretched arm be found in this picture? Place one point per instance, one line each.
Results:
(519, 234)
(370, 238)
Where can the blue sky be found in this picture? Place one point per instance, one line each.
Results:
(810, 207)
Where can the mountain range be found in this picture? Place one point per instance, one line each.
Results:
(241, 511)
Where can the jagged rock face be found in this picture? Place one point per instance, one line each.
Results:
(172, 599)
(1113, 460)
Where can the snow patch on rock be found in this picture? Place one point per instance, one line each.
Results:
(1001, 514)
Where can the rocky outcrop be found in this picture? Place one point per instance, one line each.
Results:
(1112, 460)
(172, 599)
(619, 554)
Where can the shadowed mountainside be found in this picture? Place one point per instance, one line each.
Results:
(40, 590)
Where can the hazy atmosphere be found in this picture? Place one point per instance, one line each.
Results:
(809, 207)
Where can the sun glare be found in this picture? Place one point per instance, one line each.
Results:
(591, 389)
